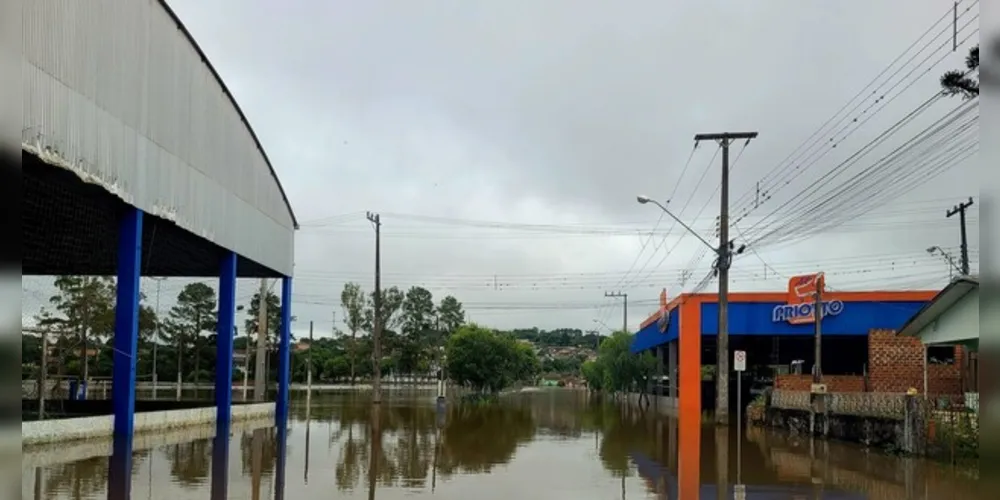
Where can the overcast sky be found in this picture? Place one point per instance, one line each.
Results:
(468, 125)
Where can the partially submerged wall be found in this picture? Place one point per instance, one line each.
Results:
(70, 429)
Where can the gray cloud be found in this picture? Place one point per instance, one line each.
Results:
(560, 113)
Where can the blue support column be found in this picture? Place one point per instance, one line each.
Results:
(224, 344)
(284, 354)
(125, 346)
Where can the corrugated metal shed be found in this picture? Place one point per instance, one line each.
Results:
(117, 92)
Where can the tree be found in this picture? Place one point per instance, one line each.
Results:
(958, 82)
(418, 325)
(352, 299)
(616, 368)
(488, 361)
(450, 314)
(86, 305)
(392, 301)
(273, 316)
(192, 316)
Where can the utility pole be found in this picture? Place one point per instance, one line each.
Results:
(309, 365)
(377, 327)
(260, 372)
(722, 265)
(960, 210)
(156, 334)
(624, 297)
(818, 341)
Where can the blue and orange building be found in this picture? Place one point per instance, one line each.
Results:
(775, 329)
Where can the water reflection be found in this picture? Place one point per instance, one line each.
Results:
(555, 444)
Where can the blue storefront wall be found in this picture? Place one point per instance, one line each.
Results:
(755, 318)
(651, 336)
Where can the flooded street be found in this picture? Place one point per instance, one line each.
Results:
(551, 444)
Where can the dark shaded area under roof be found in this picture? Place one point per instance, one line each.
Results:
(70, 227)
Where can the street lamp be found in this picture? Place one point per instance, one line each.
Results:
(936, 250)
(724, 254)
(642, 199)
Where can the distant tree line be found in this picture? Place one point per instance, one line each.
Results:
(418, 336)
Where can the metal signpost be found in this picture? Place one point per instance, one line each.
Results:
(739, 366)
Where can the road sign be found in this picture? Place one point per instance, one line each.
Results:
(740, 361)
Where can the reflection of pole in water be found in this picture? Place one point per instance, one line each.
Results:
(437, 447)
(38, 483)
(376, 443)
(256, 462)
(305, 473)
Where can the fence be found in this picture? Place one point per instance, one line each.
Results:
(945, 427)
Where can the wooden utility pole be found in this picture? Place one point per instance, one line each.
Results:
(960, 210)
(260, 372)
(624, 297)
(377, 327)
(722, 265)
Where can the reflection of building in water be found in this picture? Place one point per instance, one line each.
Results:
(847, 467)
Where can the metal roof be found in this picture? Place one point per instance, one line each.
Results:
(941, 303)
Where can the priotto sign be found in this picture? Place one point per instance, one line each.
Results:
(801, 307)
(805, 312)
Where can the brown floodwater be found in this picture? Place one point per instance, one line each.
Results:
(554, 444)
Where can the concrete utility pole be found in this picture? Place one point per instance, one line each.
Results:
(309, 365)
(818, 342)
(960, 210)
(260, 372)
(377, 327)
(156, 334)
(624, 297)
(722, 265)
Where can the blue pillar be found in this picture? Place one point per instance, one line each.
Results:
(224, 344)
(284, 353)
(125, 345)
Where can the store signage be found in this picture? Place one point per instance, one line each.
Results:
(664, 320)
(801, 306)
(804, 312)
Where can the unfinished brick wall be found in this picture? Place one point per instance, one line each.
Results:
(895, 364)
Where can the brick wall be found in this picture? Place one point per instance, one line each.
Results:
(895, 364)
(834, 383)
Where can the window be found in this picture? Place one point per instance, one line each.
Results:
(940, 355)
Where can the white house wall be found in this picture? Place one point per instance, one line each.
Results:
(114, 91)
(958, 324)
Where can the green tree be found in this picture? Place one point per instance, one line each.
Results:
(958, 82)
(273, 316)
(617, 369)
(450, 314)
(392, 302)
(593, 373)
(189, 320)
(488, 361)
(86, 308)
(418, 325)
(352, 300)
